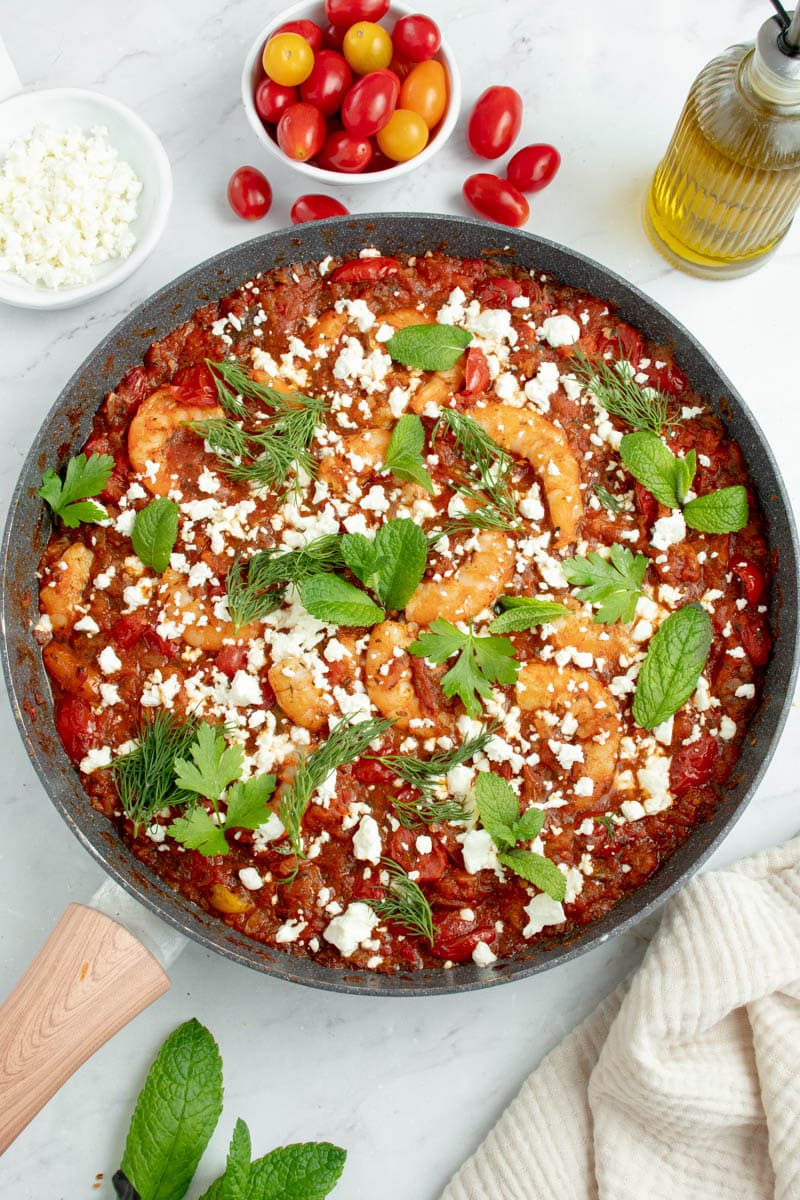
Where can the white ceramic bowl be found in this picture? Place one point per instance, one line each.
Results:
(253, 72)
(136, 144)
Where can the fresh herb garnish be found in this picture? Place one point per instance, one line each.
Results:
(422, 811)
(617, 391)
(525, 612)
(392, 563)
(605, 820)
(214, 764)
(487, 479)
(259, 588)
(669, 478)
(672, 666)
(608, 500)
(481, 661)
(404, 903)
(347, 741)
(723, 511)
(155, 531)
(614, 585)
(332, 599)
(196, 830)
(145, 776)
(501, 816)
(425, 773)
(404, 452)
(234, 386)
(429, 347)
(69, 499)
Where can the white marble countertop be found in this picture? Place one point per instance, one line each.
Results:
(409, 1086)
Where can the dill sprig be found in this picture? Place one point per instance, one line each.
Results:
(424, 773)
(484, 517)
(488, 467)
(421, 811)
(145, 777)
(615, 388)
(259, 589)
(348, 741)
(404, 903)
(608, 499)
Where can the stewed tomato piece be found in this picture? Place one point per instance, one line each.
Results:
(455, 938)
(533, 167)
(476, 373)
(496, 199)
(418, 852)
(403, 136)
(692, 765)
(347, 12)
(195, 385)
(756, 640)
(272, 99)
(327, 84)
(288, 59)
(231, 659)
(370, 103)
(646, 503)
(365, 270)
(424, 91)
(497, 292)
(367, 47)
(301, 132)
(752, 578)
(76, 725)
(306, 29)
(416, 37)
(249, 194)
(315, 207)
(494, 122)
(343, 151)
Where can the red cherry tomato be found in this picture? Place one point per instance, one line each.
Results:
(370, 102)
(692, 765)
(316, 208)
(533, 167)
(333, 37)
(646, 503)
(494, 122)
(347, 12)
(326, 85)
(455, 938)
(76, 726)
(668, 379)
(498, 292)
(430, 865)
(368, 770)
(231, 659)
(476, 373)
(496, 199)
(272, 99)
(364, 270)
(344, 152)
(249, 194)
(752, 579)
(402, 67)
(127, 631)
(756, 640)
(195, 385)
(301, 132)
(307, 29)
(416, 38)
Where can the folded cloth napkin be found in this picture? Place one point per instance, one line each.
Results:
(685, 1083)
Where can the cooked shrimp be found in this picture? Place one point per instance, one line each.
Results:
(543, 688)
(361, 454)
(476, 584)
(606, 642)
(198, 616)
(533, 437)
(438, 390)
(65, 584)
(159, 419)
(326, 330)
(390, 682)
(70, 672)
(298, 696)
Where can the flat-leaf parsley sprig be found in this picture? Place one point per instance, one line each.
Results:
(69, 498)
(145, 776)
(482, 661)
(614, 585)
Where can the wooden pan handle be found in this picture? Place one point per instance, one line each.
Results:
(89, 979)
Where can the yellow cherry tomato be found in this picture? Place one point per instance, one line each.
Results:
(288, 59)
(405, 135)
(424, 91)
(367, 47)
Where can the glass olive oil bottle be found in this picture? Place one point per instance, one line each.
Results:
(728, 186)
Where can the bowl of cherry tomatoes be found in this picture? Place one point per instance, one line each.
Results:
(351, 91)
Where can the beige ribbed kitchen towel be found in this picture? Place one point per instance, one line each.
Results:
(685, 1083)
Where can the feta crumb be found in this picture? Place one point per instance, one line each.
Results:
(483, 955)
(367, 844)
(108, 660)
(561, 331)
(251, 879)
(542, 911)
(348, 931)
(668, 531)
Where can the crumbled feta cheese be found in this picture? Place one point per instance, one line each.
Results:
(95, 759)
(367, 844)
(632, 810)
(653, 779)
(86, 625)
(350, 930)
(668, 531)
(483, 955)
(727, 729)
(245, 690)
(480, 852)
(542, 911)
(251, 879)
(108, 660)
(745, 691)
(561, 330)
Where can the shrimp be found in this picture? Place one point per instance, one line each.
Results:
(303, 702)
(544, 689)
(198, 615)
(533, 437)
(606, 642)
(389, 681)
(61, 594)
(361, 454)
(475, 585)
(326, 330)
(438, 390)
(70, 672)
(158, 421)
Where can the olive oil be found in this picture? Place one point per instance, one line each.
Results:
(728, 187)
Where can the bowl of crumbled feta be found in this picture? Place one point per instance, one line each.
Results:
(85, 191)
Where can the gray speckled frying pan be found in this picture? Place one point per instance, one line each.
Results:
(67, 426)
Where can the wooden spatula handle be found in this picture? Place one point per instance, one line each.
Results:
(89, 979)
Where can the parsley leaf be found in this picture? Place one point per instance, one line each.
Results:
(392, 564)
(723, 511)
(332, 599)
(536, 869)
(248, 802)
(429, 347)
(656, 468)
(155, 531)
(614, 586)
(197, 831)
(481, 661)
(84, 478)
(175, 1115)
(526, 612)
(215, 764)
(672, 666)
(404, 452)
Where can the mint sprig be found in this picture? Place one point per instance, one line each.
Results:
(672, 666)
(526, 612)
(404, 452)
(481, 661)
(613, 585)
(392, 564)
(429, 347)
(155, 531)
(669, 479)
(69, 498)
(501, 816)
(723, 511)
(332, 599)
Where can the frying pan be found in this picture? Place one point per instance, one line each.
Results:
(28, 528)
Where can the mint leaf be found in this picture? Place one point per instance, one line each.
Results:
(215, 764)
(429, 347)
(332, 599)
(724, 511)
(498, 807)
(84, 477)
(656, 468)
(402, 550)
(481, 661)
(529, 826)
(536, 869)
(525, 612)
(248, 805)
(404, 452)
(155, 531)
(685, 469)
(614, 586)
(361, 556)
(199, 832)
(305, 1171)
(235, 1183)
(175, 1115)
(675, 658)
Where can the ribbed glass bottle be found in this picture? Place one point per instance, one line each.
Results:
(728, 186)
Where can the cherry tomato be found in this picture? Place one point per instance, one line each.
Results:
(249, 194)
(301, 132)
(367, 770)
(272, 99)
(306, 29)
(692, 765)
(327, 84)
(416, 37)
(195, 385)
(429, 866)
(76, 725)
(646, 503)
(496, 199)
(669, 379)
(455, 938)
(344, 152)
(424, 91)
(288, 59)
(347, 12)
(231, 659)
(494, 122)
(333, 36)
(756, 640)
(403, 136)
(497, 292)
(316, 208)
(402, 67)
(476, 373)
(364, 270)
(378, 162)
(533, 167)
(752, 579)
(367, 47)
(370, 103)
